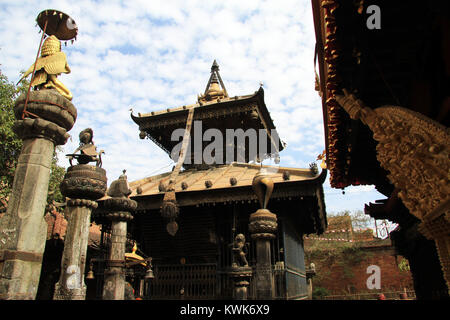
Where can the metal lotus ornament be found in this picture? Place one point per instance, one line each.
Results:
(263, 187)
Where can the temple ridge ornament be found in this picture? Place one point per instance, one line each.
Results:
(88, 151)
(323, 157)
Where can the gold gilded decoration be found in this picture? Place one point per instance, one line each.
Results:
(415, 150)
(213, 91)
(323, 157)
(132, 258)
(52, 63)
(263, 187)
(263, 223)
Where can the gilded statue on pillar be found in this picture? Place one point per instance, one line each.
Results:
(51, 63)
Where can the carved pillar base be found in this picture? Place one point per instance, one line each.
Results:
(114, 283)
(87, 183)
(241, 277)
(23, 229)
(262, 226)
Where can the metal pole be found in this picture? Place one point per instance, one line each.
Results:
(34, 69)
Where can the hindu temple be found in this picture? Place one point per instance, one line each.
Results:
(196, 222)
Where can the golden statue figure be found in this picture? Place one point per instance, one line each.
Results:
(52, 63)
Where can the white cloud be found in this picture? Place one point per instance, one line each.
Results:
(151, 55)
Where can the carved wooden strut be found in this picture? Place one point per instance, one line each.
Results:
(415, 150)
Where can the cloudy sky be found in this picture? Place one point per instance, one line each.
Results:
(152, 55)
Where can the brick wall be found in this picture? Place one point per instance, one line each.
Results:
(347, 273)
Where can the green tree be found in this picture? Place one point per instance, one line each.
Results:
(10, 145)
(359, 219)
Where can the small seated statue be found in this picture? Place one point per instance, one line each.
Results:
(88, 151)
(239, 250)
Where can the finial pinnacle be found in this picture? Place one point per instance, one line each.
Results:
(215, 88)
(215, 66)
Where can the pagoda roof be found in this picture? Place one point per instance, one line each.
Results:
(219, 176)
(238, 112)
(251, 107)
(143, 118)
(297, 189)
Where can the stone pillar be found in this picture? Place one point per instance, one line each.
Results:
(120, 208)
(262, 227)
(23, 229)
(241, 277)
(83, 184)
(310, 273)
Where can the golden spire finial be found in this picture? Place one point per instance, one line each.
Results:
(213, 90)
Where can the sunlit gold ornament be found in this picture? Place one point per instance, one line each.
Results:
(52, 63)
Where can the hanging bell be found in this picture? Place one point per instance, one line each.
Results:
(149, 274)
(90, 274)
